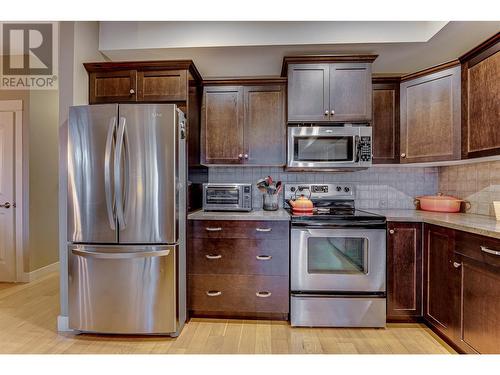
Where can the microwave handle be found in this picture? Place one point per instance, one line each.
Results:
(357, 149)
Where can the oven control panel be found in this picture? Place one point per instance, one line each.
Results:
(319, 191)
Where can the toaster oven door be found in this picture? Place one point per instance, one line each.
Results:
(222, 198)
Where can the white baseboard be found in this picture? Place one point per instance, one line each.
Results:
(63, 324)
(41, 272)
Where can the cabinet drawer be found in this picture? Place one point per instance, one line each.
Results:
(239, 229)
(478, 248)
(238, 293)
(238, 256)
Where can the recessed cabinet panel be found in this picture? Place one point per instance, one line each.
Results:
(308, 93)
(350, 92)
(167, 85)
(113, 87)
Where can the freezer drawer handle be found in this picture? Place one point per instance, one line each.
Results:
(489, 251)
(138, 254)
(264, 229)
(263, 257)
(213, 229)
(209, 256)
(213, 293)
(263, 294)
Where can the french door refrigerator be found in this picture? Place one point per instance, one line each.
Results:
(126, 219)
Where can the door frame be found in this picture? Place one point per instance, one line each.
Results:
(16, 106)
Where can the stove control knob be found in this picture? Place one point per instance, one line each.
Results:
(292, 189)
(339, 188)
(346, 189)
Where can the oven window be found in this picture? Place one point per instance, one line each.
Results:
(327, 149)
(346, 255)
(222, 196)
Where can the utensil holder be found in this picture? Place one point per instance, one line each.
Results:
(270, 202)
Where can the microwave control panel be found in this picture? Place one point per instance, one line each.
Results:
(365, 146)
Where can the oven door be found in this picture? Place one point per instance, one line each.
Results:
(338, 260)
(323, 147)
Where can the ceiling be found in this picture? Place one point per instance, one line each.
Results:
(235, 49)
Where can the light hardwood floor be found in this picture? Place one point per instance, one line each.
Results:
(28, 315)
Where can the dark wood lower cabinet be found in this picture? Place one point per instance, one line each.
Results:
(404, 271)
(238, 269)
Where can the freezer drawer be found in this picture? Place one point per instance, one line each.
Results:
(122, 289)
(335, 311)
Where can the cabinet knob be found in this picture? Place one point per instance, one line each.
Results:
(326, 113)
(246, 156)
(403, 155)
(332, 112)
(457, 265)
(391, 231)
(132, 91)
(240, 156)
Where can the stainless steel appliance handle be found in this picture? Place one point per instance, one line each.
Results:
(263, 294)
(356, 149)
(263, 257)
(213, 293)
(210, 256)
(489, 251)
(263, 229)
(110, 206)
(119, 194)
(111, 255)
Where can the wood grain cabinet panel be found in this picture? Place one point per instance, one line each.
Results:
(481, 100)
(350, 92)
(264, 129)
(164, 85)
(264, 230)
(385, 121)
(113, 86)
(308, 92)
(441, 281)
(404, 271)
(430, 117)
(222, 125)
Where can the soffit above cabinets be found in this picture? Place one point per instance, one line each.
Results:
(232, 49)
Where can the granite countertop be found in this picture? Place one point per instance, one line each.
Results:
(259, 214)
(478, 224)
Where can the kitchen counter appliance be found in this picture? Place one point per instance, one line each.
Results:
(330, 147)
(126, 219)
(338, 260)
(227, 197)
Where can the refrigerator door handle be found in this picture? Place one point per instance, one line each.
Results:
(127, 255)
(119, 189)
(110, 206)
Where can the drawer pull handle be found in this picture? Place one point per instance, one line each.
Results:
(264, 229)
(263, 294)
(214, 293)
(489, 251)
(209, 256)
(213, 229)
(263, 257)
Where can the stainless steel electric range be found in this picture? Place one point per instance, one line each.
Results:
(338, 260)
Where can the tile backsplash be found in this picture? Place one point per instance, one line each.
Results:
(377, 187)
(478, 183)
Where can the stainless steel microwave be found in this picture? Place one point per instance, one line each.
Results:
(329, 147)
(227, 197)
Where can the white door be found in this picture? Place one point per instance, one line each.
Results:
(7, 217)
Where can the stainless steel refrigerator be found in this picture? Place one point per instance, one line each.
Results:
(126, 218)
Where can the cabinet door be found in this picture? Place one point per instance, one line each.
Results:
(385, 123)
(112, 87)
(441, 281)
(481, 104)
(308, 93)
(481, 307)
(350, 92)
(264, 129)
(222, 125)
(165, 85)
(430, 117)
(404, 271)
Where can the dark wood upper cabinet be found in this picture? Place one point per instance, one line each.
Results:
(264, 130)
(244, 123)
(350, 92)
(404, 271)
(430, 115)
(112, 87)
(163, 85)
(329, 88)
(441, 281)
(308, 93)
(222, 125)
(385, 120)
(481, 99)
